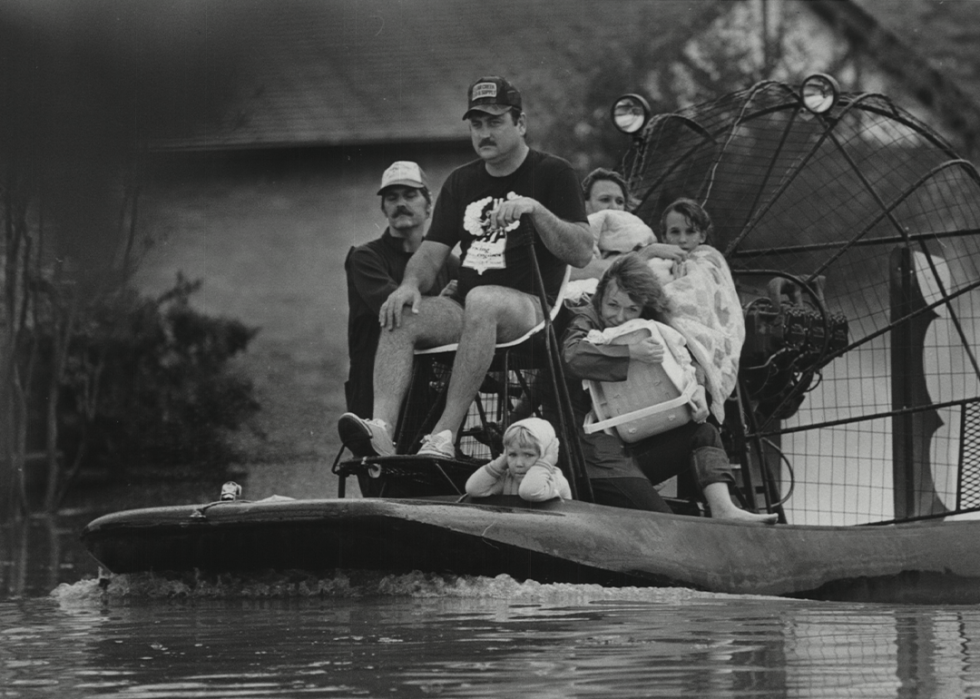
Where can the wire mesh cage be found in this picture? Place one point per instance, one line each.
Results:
(853, 240)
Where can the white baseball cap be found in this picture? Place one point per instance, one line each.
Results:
(403, 172)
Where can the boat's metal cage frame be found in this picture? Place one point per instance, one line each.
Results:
(853, 195)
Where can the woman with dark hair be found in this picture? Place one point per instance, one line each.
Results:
(605, 189)
(629, 290)
(607, 200)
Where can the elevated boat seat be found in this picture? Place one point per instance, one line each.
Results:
(555, 310)
(515, 367)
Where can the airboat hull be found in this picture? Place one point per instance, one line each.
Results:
(570, 542)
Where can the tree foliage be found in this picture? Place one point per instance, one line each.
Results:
(84, 88)
(148, 382)
(683, 55)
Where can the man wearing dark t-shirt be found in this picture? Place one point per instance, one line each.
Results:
(494, 208)
(376, 268)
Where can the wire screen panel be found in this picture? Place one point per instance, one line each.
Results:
(877, 218)
(969, 461)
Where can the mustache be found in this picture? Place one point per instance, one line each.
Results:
(402, 210)
(487, 142)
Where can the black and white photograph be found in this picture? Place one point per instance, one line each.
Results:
(525, 348)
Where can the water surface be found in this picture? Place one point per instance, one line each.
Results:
(66, 631)
(369, 635)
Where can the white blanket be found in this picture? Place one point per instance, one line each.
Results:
(674, 341)
(617, 232)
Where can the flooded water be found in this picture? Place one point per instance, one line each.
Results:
(65, 633)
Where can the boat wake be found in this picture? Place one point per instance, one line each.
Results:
(351, 584)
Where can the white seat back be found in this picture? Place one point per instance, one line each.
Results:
(556, 307)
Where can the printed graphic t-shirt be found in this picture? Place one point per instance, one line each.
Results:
(500, 256)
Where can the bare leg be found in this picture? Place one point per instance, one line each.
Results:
(493, 314)
(713, 473)
(722, 507)
(438, 322)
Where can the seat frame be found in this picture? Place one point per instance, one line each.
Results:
(529, 345)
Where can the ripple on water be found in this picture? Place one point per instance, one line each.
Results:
(352, 633)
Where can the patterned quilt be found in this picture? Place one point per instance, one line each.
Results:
(707, 312)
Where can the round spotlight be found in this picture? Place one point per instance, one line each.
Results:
(630, 113)
(819, 93)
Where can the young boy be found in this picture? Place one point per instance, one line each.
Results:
(705, 307)
(528, 467)
(686, 224)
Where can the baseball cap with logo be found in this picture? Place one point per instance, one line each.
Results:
(493, 95)
(403, 172)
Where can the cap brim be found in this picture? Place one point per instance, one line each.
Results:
(402, 183)
(495, 109)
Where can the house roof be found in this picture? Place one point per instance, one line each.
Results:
(348, 72)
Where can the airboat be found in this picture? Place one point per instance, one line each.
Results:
(853, 233)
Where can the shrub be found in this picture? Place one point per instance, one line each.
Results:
(149, 384)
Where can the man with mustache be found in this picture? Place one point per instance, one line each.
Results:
(376, 268)
(495, 208)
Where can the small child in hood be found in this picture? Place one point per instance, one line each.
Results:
(528, 467)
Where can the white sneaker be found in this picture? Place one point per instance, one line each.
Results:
(365, 437)
(439, 445)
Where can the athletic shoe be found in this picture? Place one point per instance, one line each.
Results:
(439, 445)
(365, 437)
